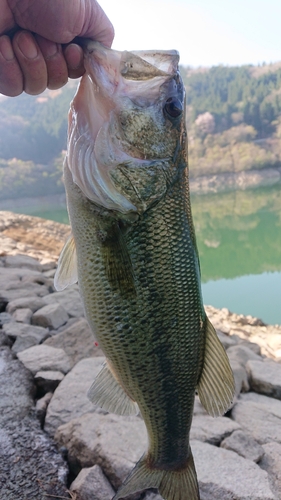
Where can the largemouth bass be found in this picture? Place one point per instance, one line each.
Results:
(133, 251)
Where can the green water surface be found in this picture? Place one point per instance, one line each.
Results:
(239, 242)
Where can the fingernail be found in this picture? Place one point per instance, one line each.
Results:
(6, 48)
(51, 49)
(74, 56)
(27, 45)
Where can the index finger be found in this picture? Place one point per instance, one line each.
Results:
(11, 77)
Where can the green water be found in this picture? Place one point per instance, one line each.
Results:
(239, 242)
(57, 214)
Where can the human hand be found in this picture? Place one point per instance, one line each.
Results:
(35, 57)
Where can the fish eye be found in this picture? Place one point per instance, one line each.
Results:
(173, 107)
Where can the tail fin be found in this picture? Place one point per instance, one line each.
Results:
(172, 485)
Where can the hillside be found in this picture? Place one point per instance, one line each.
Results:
(233, 120)
(32, 142)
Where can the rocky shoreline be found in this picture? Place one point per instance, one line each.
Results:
(55, 444)
(232, 181)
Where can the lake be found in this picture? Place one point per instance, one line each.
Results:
(239, 243)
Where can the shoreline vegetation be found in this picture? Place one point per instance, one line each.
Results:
(201, 185)
(235, 181)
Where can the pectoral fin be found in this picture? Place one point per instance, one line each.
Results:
(107, 393)
(216, 386)
(66, 273)
(117, 262)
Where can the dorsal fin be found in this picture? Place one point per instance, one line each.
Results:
(66, 273)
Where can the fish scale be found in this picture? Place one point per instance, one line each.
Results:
(133, 251)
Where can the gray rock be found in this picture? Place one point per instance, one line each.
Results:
(77, 341)
(260, 416)
(26, 335)
(22, 290)
(226, 340)
(39, 279)
(4, 340)
(17, 388)
(47, 381)
(111, 441)
(41, 407)
(70, 322)
(265, 377)
(8, 280)
(222, 474)
(91, 484)
(234, 336)
(5, 318)
(70, 398)
(49, 266)
(242, 354)
(252, 346)
(244, 444)
(22, 315)
(44, 357)
(52, 316)
(271, 462)
(240, 377)
(69, 299)
(30, 302)
(50, 273)
(23, 261)
(14, 330)
(212, 430)
(17, 272)
(24, 342)
(24, 279)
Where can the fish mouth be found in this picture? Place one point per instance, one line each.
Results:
(138, 75)
(108, 67)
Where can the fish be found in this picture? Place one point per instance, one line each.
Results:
(133, 252)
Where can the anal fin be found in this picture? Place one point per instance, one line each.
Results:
(216, 386)
(66, 273)
(107, 393)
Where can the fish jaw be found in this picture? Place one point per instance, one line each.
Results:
(117, 124)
